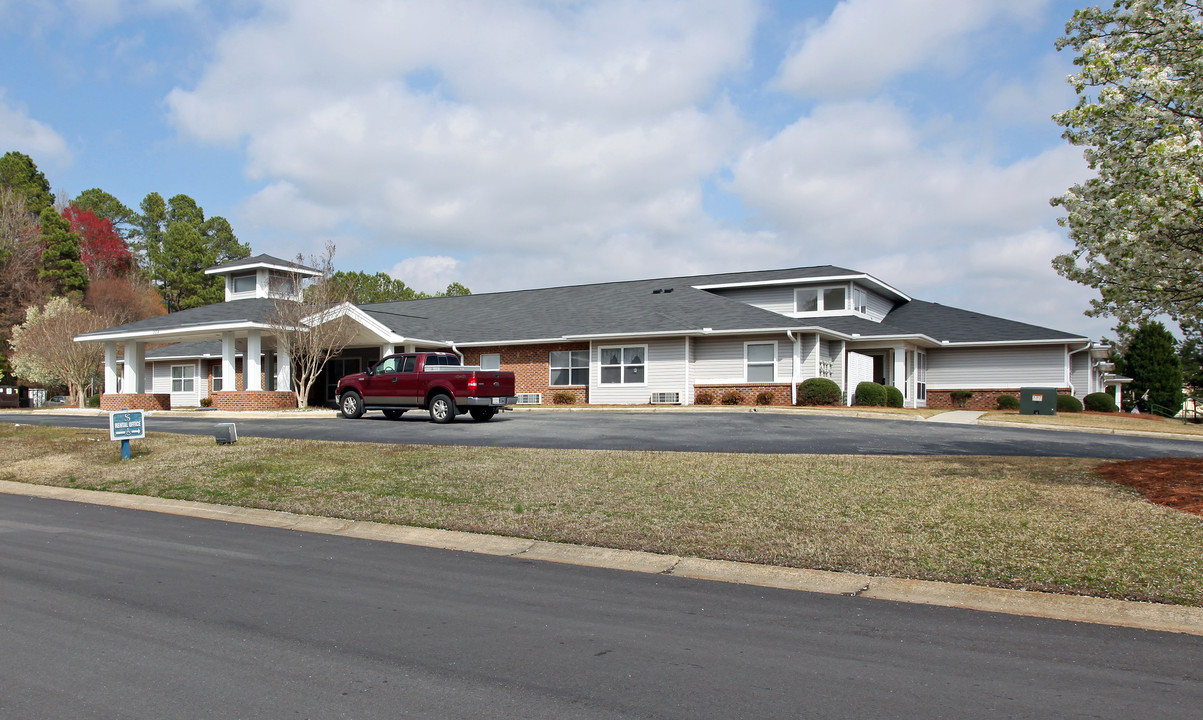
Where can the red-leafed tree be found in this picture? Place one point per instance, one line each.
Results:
(103, 251)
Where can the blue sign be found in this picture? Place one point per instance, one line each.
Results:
(127, 425)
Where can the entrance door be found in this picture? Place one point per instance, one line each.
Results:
(860, 369)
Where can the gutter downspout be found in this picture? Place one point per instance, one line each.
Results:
(793, 380)
(460, 355)
(1069, 367)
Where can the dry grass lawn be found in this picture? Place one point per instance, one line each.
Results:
(1047, 524)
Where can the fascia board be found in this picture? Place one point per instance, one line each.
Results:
(199, 329)
(808, 280)
(348, 310)
(255, 266)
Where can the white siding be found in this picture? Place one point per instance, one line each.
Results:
(721, 360)
(1080, 373)
(665, 372)
(879, 305)
(161, 382)
(968, 368)
(774, 298)
(810, 357)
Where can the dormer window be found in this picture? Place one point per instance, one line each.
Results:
(821, 299)
(243, 283)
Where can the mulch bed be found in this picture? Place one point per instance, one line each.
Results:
(1173, 482)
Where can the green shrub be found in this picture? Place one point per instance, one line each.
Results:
(563, 397)
(764, 398)
(732, 397)
(1008, 402)
(206, 402)
(1068, 403)
(960, 398)
(893, 396)
(819, 391)
(703, 398)
(93, 401)
(871, 393)
(1100, 402)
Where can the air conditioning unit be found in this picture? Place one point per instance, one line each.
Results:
(530, 398)
(665, 398)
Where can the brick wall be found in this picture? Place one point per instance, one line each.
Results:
(981, 400)
(747, 393)
(142, 401)
(256, 400)
(531, 367)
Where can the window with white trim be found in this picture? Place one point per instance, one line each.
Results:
(568, 367)
(243, 283)
(490, 361)
(760, 362)
(183, 378)
(921, 376)
(860, 301)
(217, 377)
(623, 365)
(821, 299)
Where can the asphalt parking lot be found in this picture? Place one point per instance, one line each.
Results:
(744, 432)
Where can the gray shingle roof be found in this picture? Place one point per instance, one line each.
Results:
(653, 306)
(261, 260)
(249, 310)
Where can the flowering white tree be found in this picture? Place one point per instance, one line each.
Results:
(1138, 224)
(45, 351)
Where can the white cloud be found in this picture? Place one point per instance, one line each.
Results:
(22, 133)
(428, 274)
(864, 43)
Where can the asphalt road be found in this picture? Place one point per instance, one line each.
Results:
(110, 613)
(676, 431)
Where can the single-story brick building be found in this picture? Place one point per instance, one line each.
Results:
(664, 340)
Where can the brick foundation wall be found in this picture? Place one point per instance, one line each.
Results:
(747, 393)
(257, 400)
(142, 401)
(981, 400)
(531, 367)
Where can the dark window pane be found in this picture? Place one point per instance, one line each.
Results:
(632, 374)
(560, 377)
(580, 358)
(632, 356)
(610, 375)
(760, 373)
(611, 356)
(559, 359)
(833, 299)
(580, 376)
(808, 300)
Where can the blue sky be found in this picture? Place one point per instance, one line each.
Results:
(523, 144)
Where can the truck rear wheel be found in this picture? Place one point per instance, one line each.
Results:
(442, 409)
(351, 405)
(482, 414)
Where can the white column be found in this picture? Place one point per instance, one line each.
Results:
(251, 368)
(283, 370)
(387, 349)
(1118, 402)
(229, 377)
(796, 369)
(135, 368)
(110, 368)
(899, 379)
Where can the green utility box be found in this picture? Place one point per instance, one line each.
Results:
(1037, 401)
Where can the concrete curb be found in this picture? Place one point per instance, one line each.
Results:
(1148, 616)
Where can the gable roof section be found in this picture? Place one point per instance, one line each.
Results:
(258, 261)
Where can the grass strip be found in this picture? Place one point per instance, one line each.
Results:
(1035, 523)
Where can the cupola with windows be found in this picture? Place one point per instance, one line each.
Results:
(263, 276)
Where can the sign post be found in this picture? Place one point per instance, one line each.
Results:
(126, 425)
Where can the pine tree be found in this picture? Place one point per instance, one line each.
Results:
(61, 263)
(19, 172)
(1151, 360)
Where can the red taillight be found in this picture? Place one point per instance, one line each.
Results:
(472, 383)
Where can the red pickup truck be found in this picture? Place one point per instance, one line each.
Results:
(431, 381)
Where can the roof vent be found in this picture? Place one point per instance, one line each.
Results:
(657, 291)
